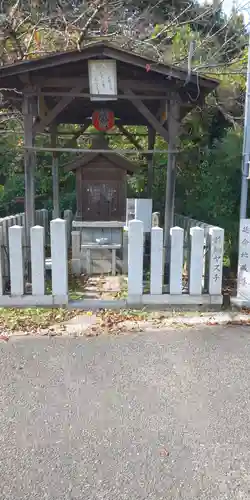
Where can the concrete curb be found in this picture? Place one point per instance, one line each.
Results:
(82, 324)
(209, 319)
(89, 325)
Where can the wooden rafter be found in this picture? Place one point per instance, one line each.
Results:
(151, 119)
(151, 145)
(43, 108)
(58, 108)
(71, 142)
(129, 136)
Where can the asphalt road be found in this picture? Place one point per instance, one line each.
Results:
(143, 416)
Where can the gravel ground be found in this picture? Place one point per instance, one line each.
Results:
(162, 415)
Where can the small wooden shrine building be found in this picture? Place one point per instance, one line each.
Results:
(101, 184)
(77, 87)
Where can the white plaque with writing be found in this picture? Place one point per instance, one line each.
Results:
(102, 80)
(243, 285)
(216, 260)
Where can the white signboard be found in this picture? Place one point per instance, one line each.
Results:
(243, 288)
(102, 80)
(143, 212)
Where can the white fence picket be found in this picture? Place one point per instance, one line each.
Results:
(216, 235)
(16, 260)
(156, 261)
(37, 260)
(135, 258)
(176, 260)
(196, 260)
(59, 258)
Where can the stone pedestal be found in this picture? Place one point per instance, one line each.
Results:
(102, 236)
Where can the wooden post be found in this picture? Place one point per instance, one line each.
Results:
(173, 130)
(29, 160)
(151, 143)
(55, 176)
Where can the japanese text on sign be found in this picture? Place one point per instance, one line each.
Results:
(217, 254)
(244, 258)
(102, 80)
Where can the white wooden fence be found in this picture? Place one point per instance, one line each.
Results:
(42, 218)
(175, 295)
(18, 296)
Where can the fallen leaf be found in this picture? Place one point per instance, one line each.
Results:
(4, 337)
(164, 452)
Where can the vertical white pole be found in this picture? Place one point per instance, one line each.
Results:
(37, 260)
(156, 261)
(135, 258)
(176, 260)
(246, 145)
(16, 260)
(196, 260)
(59, 257)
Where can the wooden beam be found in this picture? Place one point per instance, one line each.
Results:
(29, 158)
(58, 108)
(87, 95)
(84, 150)
(151, 144)
(173, 120)
(71, 142)
(151, 119)
(129, 136)
(70, 82)
(86, 134)
(43, 109)
(25, 78)
(55, 175)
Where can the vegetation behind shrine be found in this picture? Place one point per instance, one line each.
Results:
(209, 158)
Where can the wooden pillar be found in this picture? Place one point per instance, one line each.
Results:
(173, 132)
(55, 176)
(29, 164)
(151, 143)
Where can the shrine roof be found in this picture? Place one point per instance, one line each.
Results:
(56, 74)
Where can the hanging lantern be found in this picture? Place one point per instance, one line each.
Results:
(103, 119)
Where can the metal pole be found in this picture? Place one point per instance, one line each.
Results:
(246, 146)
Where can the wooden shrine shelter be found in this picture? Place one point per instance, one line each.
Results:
(70, 87)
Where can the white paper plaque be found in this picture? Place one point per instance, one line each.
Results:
(102, 80)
